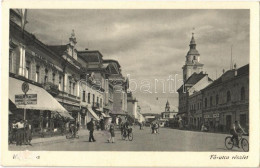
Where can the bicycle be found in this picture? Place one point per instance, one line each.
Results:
(230, 144)
(128, 134)
(72, 135)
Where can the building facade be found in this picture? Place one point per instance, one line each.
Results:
(227, 100)
(216, 104)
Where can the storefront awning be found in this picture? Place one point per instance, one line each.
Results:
(44, 101)
(93, 113)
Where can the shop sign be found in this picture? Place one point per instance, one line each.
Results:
(216, 115)
(26, 99)
(207, 116)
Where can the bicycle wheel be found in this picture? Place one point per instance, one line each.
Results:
(228, 143)
(130, 136)
(245, 145)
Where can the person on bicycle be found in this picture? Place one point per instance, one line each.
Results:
(236, 129)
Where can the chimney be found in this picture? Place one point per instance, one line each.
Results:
(235, 67)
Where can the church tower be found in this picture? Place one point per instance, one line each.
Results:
(192, 63)
(167, 106)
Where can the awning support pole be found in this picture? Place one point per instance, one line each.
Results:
(24, 111)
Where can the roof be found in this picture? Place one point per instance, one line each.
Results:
(111, 60)
(90, 56)
(193, 52)
(58, 49)
(241, 71)
(194, 78)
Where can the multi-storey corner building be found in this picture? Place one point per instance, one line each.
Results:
(76, 85)
(227, 100)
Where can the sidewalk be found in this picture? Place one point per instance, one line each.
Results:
(59, 138)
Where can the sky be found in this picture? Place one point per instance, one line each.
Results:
(150, 44)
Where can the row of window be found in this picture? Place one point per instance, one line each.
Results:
(99, 100)
(228, 99)
(71, 89)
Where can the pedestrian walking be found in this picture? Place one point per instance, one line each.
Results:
(13, 131)
(90, 127)
(152, 127)
(156, 127)
(28, 133)
(20, 132)
(112, 132)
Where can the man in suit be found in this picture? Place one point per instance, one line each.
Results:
(20, 132)
(91, 127)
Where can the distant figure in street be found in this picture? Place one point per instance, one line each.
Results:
(112, 132)
(90, 127)
(28, 133)
(77, 126)
(13, 131)
(156, 128)
(20, 132)
(152, 127)
(204, 128)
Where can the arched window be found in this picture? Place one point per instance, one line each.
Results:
(242, 93)
(216, 99)
(228, 96)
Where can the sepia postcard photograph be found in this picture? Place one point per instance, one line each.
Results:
(130, 82)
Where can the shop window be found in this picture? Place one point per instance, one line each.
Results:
(37, 74)
(216, 99)
(242, 92)
(228, 96)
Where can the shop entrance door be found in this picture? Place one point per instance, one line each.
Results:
(228, 122)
